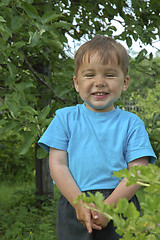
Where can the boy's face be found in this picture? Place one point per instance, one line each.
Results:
(100, 85)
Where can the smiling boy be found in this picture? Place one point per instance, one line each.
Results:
(88, 142)
(100, 85)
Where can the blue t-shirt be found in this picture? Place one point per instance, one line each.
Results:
(97, 143)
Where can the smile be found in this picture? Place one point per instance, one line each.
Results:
(100, 93)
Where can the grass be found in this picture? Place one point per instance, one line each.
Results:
(22, 215)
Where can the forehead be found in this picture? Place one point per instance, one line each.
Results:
(109, 58)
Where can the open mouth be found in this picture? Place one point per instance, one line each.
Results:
(100, 95)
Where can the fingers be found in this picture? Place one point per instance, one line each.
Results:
(95, 226)
(94, 214)
(89, 218)
(84, 217)
(88, 226)
(91, 226)
(98, 219)
(101, 221)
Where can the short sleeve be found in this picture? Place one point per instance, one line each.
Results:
(55, 135)
(138, 143)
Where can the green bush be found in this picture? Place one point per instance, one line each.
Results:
(24, 215)
(13, 164)
(149, 106)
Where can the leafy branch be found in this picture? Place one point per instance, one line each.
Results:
(125, 216)
(41, 79)
(37, 75)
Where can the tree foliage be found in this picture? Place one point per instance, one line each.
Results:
(35, 69)
(149, 111)
(32, 57)
(143, 75)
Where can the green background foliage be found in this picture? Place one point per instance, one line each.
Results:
(36, 71)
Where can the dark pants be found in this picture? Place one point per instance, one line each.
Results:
(69, 228)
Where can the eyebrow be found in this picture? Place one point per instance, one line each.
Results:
(88, 70)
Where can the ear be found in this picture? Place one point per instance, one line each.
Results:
(76, 83)
(125, 83)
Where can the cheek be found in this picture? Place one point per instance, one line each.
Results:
(114, 86)
(117, 86)
(85, 86)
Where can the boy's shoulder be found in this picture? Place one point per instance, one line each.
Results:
(130, 116)
(68, 110)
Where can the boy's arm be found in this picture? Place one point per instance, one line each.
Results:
(123, 191)
(61, 175)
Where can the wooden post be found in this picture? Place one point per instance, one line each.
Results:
(47, 182)
(44, 183)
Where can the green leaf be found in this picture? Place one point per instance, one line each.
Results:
(62, 24)
(151, 56)
(118, 222)
(8, 127)
(44, 113)
(29, 109)
(151, 237)
(45, 122)
(30, 10)
(34, 39)
(113, 28)
(2, 29)
(41, 153)
(4, 2)
(3, 122)
(12, 106)
(60, 91)
(3, 106)
(28, 141)
(6, 32)
(54, 43)
(129, 41)
(141, 55)
(16, 23)
(2, 19)
(12, 69)
(99, 199)
(122, 205)
(50, 16)
(18, 44)
(132, 211)
(24, 85)
(155, 137)
(109, 10)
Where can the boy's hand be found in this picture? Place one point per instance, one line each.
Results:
(85, 217)
(99, 219)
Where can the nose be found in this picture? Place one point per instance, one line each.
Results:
(99, 82)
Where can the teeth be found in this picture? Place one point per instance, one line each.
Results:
(100, 94)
